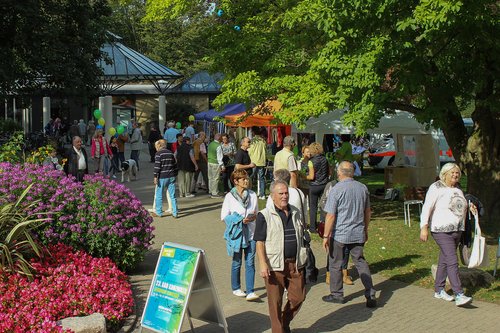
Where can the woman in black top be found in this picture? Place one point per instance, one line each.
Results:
(319, 176)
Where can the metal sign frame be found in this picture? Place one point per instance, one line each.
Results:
(178, 288)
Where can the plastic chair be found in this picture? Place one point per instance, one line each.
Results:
(498, 257)
(406, 208)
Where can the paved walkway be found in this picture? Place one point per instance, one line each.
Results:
(401, 307)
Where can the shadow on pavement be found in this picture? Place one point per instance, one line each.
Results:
(353, 313)
(202, 208)
(347, 314)
(392, 263)
(244, 322)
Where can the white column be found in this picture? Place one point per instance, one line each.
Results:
(107, 114)
(162, 111)
(30, 118)
(25, 120)
(46, 111)
(14, 108)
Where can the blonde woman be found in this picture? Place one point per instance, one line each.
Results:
(100, 151)
(318, 174)
(444, 212)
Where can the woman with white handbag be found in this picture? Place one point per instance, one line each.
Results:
(444, 212)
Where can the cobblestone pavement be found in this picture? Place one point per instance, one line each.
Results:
(401, 307)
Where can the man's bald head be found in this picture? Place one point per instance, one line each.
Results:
(77, 142)
(345, 169)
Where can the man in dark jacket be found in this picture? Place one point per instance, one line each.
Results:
(187, 166)
(165, 171)
(77, 163)
(154, 135)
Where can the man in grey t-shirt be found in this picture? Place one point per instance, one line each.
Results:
(347, 219)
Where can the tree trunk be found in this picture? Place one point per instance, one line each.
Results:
(482, 166)
(478, 154)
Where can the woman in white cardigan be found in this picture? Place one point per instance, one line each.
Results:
(242, 201)
(444, 213)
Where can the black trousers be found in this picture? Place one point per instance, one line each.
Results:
(315, 193)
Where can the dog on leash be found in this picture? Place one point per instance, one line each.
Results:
(129, 167)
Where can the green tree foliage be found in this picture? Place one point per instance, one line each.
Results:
(125, 21)
(434, 58)
(51, 44)
(180, 43)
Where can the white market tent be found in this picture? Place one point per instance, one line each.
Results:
(401, 122)
(415, 142)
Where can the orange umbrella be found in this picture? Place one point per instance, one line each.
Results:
(261, 115)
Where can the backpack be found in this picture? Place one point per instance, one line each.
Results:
(391, 194)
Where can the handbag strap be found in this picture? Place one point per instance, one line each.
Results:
(477, 230)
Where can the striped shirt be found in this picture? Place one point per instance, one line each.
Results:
(348, 200)
(165, 164)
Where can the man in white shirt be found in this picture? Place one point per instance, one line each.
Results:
(284, 159)
(296, 197)
(77, 164)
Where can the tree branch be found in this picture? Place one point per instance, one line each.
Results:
(403, 107)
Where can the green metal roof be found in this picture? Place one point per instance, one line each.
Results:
(122, 65)
(201, 82)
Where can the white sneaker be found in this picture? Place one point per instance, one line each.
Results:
(444, 296)
(151, 210)
(189, 195)
(461, 300)
(252, 297)
(262, 197)
(239, 293)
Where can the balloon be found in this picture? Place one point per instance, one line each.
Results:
(98, 126)
(178, 125)
(112, 131)
(120, 129)
(97, 113)
(191, 118)
(220, 12)
(237, 28)
(101, 121)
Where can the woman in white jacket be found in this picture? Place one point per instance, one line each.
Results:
(444, 212)
(242, 201)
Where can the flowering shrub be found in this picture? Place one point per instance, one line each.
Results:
(68, 284)
(99, 216)
(11, 151)
(39, 155)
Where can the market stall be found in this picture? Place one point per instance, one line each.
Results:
(417, 148)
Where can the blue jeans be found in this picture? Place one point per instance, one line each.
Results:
(167, 184)
(249, 268)
(261, 180)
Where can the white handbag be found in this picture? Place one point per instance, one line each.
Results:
(479, 253)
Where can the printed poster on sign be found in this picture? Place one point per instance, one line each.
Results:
(170, 289)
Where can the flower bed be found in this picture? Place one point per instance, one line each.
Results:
(99, 216)
(69, 283)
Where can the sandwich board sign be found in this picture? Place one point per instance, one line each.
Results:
(182, 284)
